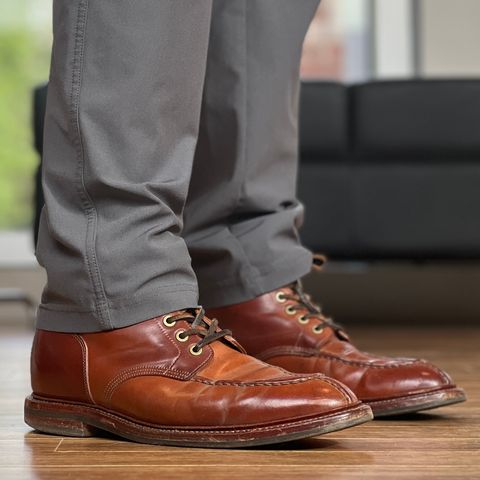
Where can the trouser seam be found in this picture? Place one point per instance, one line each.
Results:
(245, 110)
(101, 305)
(244, 151)
(251, 268)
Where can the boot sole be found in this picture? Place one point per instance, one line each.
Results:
(80, 420)
(417, 402)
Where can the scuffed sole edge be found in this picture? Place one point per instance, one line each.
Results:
(417, 403)
(79, 420)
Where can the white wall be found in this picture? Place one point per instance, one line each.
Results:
(450, 37)
(393, 38)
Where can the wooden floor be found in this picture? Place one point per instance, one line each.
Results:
(444, 443)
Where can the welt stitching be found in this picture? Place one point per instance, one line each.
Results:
(395, 400)
(154, 429)
(93, 270)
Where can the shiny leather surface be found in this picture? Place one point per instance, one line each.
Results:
(145, 372)
(267, 331)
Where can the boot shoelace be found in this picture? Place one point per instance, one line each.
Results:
(303, 302)
(208, 331)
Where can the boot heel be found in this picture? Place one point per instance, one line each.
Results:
(42, 415)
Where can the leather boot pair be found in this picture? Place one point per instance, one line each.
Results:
(178, 380)
(285, 328)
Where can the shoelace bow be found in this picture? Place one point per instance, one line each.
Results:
(210, 332)
(303, 301)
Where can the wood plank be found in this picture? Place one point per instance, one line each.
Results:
(441, 444)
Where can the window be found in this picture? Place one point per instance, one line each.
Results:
(25, 42)
(337, 45)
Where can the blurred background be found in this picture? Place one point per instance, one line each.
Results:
(403, 64)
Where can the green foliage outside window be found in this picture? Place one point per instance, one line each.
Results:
(24, 62)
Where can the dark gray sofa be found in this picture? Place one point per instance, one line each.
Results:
(389, 170)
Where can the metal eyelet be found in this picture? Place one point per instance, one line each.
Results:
(195, 351)
(280, 297)
(179, 336)
(318, 330)
(290, 310)
(303, 320)
(166, 322)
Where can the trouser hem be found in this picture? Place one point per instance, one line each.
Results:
(230, 291)
(155, 304)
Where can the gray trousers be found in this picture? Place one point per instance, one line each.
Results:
(170, 157)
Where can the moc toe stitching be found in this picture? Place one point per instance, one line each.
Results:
(366, 364)
(258, 383)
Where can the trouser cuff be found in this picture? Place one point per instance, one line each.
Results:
(122, 314)
(243, 288)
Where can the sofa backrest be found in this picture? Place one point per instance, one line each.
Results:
(416, 120)
(323, 121)
(408, 185)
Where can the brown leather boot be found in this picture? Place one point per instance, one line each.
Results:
(284, 328)
(177, 380)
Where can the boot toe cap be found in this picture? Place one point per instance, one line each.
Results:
(404, 377)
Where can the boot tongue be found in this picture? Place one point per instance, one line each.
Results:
(227, 339)
(205, 325)
(295, 289)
